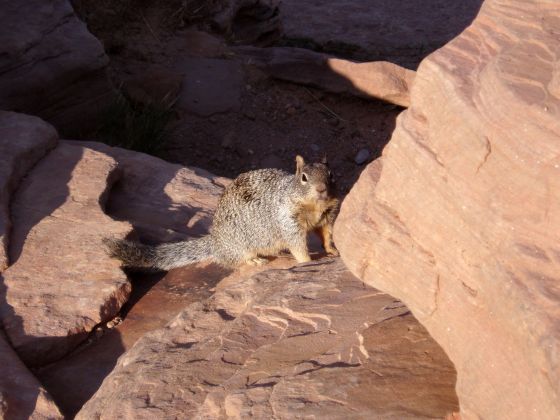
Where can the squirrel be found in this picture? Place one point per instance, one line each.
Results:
(261, 213)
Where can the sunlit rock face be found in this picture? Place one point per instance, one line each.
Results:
(462, 221)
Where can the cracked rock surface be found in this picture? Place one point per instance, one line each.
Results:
(310, 340)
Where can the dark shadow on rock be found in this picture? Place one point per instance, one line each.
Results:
(74, 379)
(402, 33)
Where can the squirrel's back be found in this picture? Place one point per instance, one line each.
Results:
(250, 213)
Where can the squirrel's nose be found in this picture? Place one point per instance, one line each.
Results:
(321, 188)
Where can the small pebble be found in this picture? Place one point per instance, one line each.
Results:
(362, 157)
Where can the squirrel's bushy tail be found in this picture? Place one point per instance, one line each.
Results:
(164, 256)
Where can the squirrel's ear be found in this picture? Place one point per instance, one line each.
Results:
(324, 160)
(300, 163)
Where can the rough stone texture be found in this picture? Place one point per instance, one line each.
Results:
(284, 344)
(61, 283)
(163, 201)
(21, 395)
(23, 141)
(381, 80)
(463, 225)
(50, 65)
(374, 30)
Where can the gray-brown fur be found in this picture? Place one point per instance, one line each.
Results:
(260, 213)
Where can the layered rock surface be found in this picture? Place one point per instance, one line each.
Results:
(463, 222)
(50, 65)
(23, 141)
(60, 283)
(283, 343)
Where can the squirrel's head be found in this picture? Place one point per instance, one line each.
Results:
(314, 179)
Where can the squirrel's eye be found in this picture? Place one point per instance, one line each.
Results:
(303, 178)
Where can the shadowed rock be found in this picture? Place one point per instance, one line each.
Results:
(21, 395)
(463, 222)
(374, 30)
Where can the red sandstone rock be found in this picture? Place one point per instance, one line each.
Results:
(380, 79)
(23, 141)
(310, 340)
(61, 283)
(51, 65)
(21, 395)
(464, 223)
